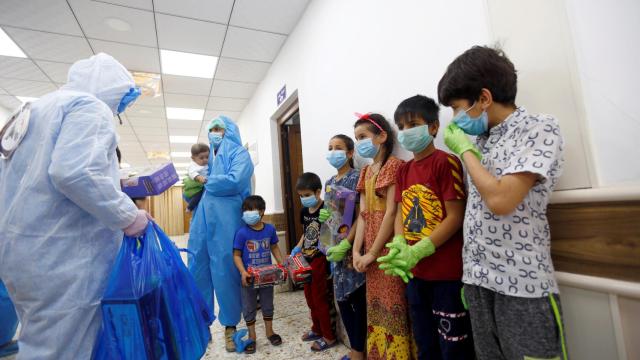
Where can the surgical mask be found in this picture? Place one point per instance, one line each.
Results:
(215, 138)
(415, 139)
(251, 217)
(367, 149)
(309, 201)
(337, 158)
(472, 126)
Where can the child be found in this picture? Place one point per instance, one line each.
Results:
(349, 285)
(513, 167)
(316, 292)
(198, 170)
(253, 245)
(431, 200)
(389, 334)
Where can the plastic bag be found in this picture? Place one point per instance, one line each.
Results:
(8, 316)
(152, 308)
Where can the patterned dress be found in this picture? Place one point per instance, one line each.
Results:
(389, 331)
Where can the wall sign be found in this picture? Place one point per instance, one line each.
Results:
(282, 95)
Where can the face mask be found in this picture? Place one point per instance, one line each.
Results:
(337, 158)
(367, 149)
(415, 139)
(251, 217)
(472, 126)
(309, 201)
(215, 138)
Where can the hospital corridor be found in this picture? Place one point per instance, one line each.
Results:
(319, 179)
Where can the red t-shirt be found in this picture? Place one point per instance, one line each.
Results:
(422, 187)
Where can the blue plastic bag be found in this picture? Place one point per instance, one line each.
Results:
(152, 308)
(8, 322)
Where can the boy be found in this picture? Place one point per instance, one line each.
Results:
(316, 292)
(253, 245)
(198, 169)
(512, 169)
(428, 241)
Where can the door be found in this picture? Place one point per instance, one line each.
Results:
(291, 156)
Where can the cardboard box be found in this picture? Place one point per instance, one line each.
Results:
(149, 181)
(299, 269)
(266, 275)
(341, 203)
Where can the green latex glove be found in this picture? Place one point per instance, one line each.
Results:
(337, 253)
(458, 142)
(464, 300)
(398, 239)
(324, 215)
(407, 256)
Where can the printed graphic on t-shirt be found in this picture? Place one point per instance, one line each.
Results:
(421, 212)
(259, 252)
(311, 237)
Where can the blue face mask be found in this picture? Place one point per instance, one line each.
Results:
(337, 158)
(472, 126)
(215, 138)
(366, 148)
(309, 201)
(251, 217)
(415, 139)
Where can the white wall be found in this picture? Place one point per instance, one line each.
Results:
(4, 115)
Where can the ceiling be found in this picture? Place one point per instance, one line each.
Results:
(246, 35)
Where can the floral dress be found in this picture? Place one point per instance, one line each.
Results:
(389, 331)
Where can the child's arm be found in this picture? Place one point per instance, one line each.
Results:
(452, 223)
(386, 229)
(237, 260)
(358, 240)
(275, 250)
(201, 179)
(398, 226)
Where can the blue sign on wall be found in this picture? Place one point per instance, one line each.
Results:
(282, 95)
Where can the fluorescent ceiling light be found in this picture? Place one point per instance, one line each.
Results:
(8, 47)
(24, 99)
(181, 165)
(117, 24)
(175, 113)
(188, 64)
(179, 139)
(180, 154)
(124, 165)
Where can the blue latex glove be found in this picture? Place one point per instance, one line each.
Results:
(296, 250)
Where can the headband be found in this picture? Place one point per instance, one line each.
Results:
(368, 118)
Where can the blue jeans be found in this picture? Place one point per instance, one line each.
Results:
(441, 326)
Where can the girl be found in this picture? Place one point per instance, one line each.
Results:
(348, 284)
(389, 335)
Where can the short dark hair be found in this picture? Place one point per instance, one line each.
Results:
(348, 142)
(254, 202)
(199, 149)
(382, 124)
(477, 68)
(309, 181)
(417, 106)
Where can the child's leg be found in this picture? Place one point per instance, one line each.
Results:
(481, 303)
(193, 203)
(266, 300)
(249, 309)
(452, 321)
(315, 321)
(319, 293)
(530, 327)
(424, 326)
(354, 316)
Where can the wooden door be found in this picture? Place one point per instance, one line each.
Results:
(291, 147)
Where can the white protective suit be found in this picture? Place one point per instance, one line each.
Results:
(62, 211)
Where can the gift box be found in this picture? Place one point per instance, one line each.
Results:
(149, 181)
(341, 203)
(299, 269)
(266, 275)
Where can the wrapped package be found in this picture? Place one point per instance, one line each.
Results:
(266, 275)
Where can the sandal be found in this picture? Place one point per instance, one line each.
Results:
(250, 348)
(275, 340)
(310, 336)
(322, 345)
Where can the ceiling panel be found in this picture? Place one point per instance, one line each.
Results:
(150, 101)
(127, 137)
(135, 58)
(139, 4)
(212, 114)
(185, 101)
(53, 47)
(147, 122)
(234, 89)
(2, 92)
(226, 104)
(56, 71)
(184, 124)
(152, 138)
(241, 70)
(186, 85)
(26, 87)
(93, 17)
(9, 102)
(46, 15)
(184, 132)
(252, 45)
(151, 130)
(181, 147)
(211, 10)
(18, 68)
(280, 16)
(193, 36)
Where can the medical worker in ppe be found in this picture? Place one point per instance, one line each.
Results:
(216, 220)
(63, 213)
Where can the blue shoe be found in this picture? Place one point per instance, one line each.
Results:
(10, 348)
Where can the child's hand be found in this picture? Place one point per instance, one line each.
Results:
(201, 179)
(245, 278)
(356, 261)
(366, 260)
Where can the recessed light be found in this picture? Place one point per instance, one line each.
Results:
(175, 113)
(10, 48)
(180, 154)
(179, 139)
(188, 64)
(24, 99)
(117, 24)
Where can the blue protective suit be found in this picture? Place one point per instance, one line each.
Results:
(8, 317)
(215, 222)
(62, 211)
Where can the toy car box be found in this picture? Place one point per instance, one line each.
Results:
(341, 203)
(266, 275)
(150, 181)
(299, 269)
